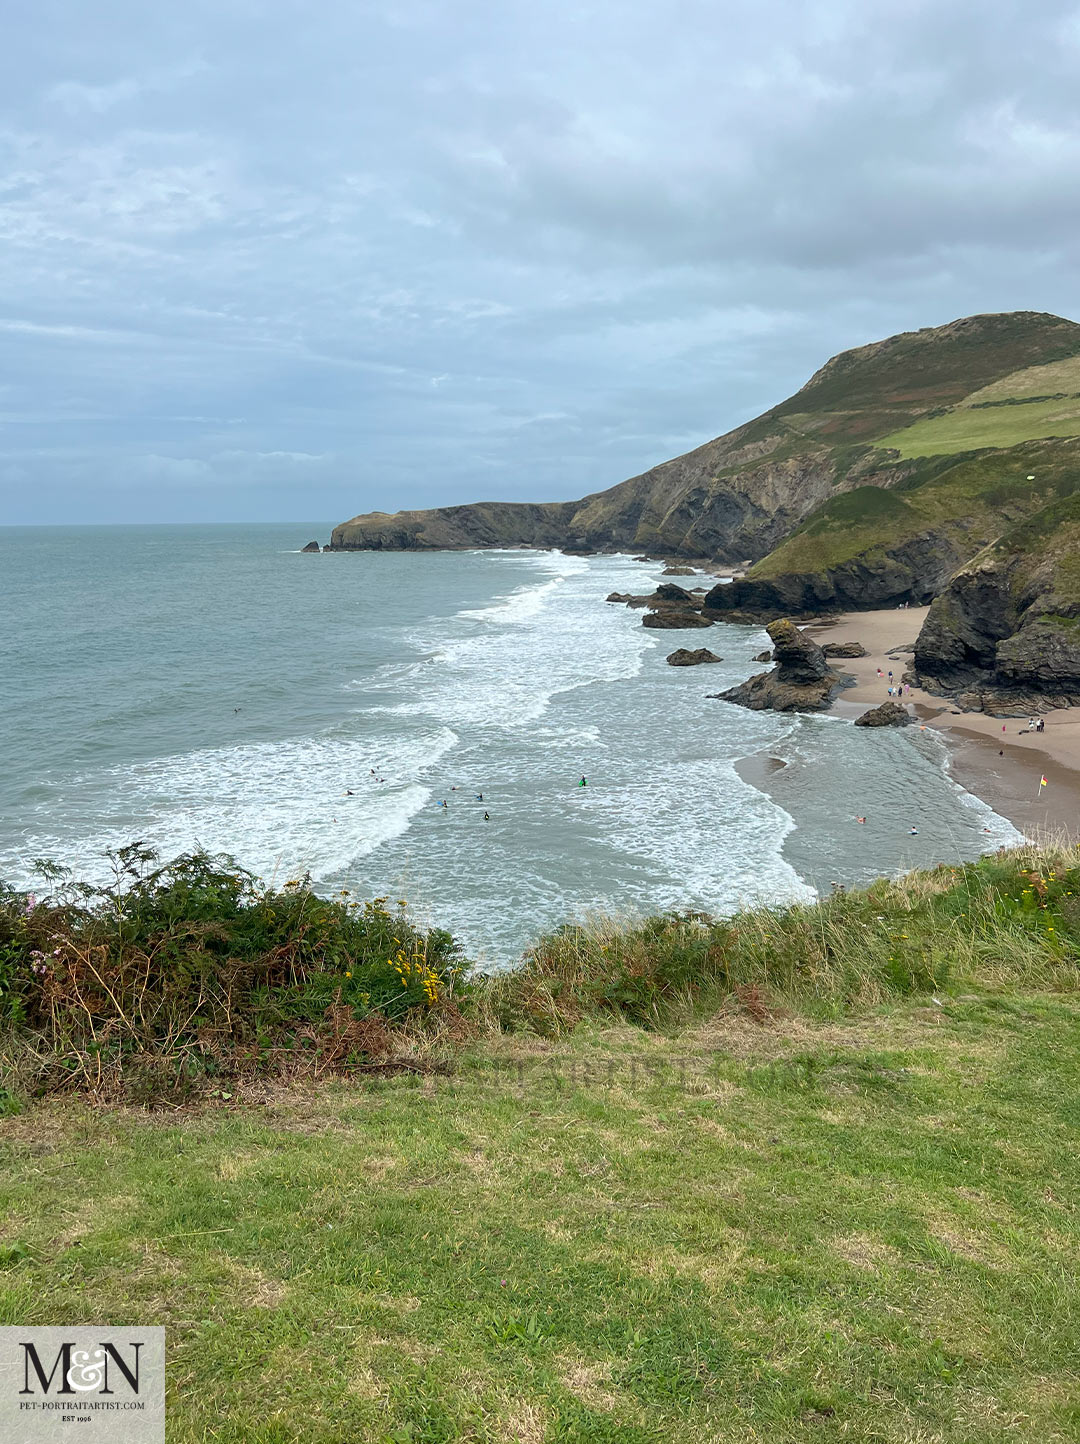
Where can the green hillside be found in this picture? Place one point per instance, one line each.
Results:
(912, 503)
(974, 498)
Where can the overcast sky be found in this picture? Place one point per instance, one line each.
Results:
(277, 260)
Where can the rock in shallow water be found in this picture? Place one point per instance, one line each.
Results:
(889, 714)
(676, 619)
(802, 680)
(682, 657)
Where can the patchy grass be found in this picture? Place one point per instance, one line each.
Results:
(861, 1229)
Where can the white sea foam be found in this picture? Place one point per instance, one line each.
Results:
(501, 666)
(274, 805)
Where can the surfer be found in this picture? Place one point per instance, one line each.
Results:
(487, 816)
(583, 783)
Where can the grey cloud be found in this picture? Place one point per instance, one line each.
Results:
(292, 261)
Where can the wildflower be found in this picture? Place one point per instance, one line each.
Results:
(348, 973)
(31, 902)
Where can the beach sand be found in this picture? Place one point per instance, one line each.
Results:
(1008, 782)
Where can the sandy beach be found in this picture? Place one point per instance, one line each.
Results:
(996, 758)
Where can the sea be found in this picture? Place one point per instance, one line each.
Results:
(212, 687)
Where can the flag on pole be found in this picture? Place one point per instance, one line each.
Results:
(1042, 782)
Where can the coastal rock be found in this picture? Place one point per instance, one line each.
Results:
(765, 656)
(678, 572)
(889, 714)
(625, 597)
(681, 657)
(844, 649)
(312, 546)
(1007, 627)
(801, 661)
(669, 592)
(675, 619)
(802, 680)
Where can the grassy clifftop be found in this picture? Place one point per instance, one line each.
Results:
(810, 1172)
(969, 499)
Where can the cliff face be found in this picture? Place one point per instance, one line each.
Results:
(687, 507)
(739, 496)
(1006, 629)
(874, 547)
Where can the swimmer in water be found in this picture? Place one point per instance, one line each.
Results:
(583, 783)
(913, 831)
(860, 819)
(479, 797)
(487, 816)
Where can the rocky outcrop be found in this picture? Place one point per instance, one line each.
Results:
(1006, 629)
(844, 649)
(678, 572)
(889, 714)
(913, 571)
(683, 658)
(765, 656)
(801, 681)
(312, 546)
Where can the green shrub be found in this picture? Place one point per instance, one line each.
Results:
(196, 968)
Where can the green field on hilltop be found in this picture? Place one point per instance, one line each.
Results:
(970, 428)
(806, 1173)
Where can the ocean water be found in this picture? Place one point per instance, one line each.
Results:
(210, 686)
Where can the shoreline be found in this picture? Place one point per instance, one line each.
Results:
(1001, 767)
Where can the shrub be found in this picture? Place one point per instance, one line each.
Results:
(195, 968)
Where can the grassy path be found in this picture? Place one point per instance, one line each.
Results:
(857, 1230)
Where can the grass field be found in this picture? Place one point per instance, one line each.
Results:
(808, 1174)
(972, 428)
(800, 1230)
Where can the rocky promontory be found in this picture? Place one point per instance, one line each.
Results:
(739, 497)
(801, 681)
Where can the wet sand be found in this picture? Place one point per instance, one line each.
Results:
(995, 758)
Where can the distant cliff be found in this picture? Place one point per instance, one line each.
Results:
(855, 424)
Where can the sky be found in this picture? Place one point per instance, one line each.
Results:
(287, 261)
